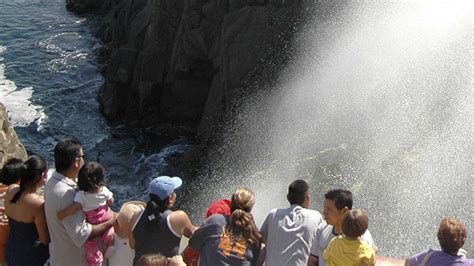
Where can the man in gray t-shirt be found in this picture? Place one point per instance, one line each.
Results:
(288, 232)
(69, 235)
(336, 203)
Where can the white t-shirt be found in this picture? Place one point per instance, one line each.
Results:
(92, 201)
(70, 234)
(288, 234)
(324, 235)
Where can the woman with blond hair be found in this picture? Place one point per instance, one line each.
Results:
(230, 240)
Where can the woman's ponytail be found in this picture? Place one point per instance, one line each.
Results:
(154, 208)
(242, 222)
(23, 185)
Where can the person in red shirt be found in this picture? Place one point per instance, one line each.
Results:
(221, 206)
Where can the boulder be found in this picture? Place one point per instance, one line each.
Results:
(10, 144)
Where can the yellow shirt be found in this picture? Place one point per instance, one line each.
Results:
(343, 251)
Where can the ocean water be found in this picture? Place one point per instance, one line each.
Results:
(49, 80)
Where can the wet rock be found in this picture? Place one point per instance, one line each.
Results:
(84, 6)
(10, 144)
(185, 62)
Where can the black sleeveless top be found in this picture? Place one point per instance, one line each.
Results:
(24, 246)
(155, 239)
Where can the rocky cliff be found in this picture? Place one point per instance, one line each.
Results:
(186, 61)
(10, 145)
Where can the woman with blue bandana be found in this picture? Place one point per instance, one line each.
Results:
(159, 229)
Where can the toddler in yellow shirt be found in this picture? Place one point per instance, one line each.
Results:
(349, 249)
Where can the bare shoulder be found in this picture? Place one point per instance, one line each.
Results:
(13, 188)
(36, 201)
(179, 215)
(11, 191)
(133, 216)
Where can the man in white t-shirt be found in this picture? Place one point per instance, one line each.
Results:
(288, 232)
(69, 235)
(336, 203)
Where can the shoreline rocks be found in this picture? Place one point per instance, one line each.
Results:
(10, 147)
(10, 144)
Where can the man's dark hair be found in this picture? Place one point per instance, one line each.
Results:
(12, 171)
(66, 151)
(297, 191)
(342, 198)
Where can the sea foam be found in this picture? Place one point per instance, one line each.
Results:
(21, 111)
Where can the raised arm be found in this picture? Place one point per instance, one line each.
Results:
(40, 224)
(181, 223)
(72, 209)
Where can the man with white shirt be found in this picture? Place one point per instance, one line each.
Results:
(336, 203)
(289, 232)
(69, 235)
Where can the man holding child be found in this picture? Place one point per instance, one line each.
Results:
(69, 235)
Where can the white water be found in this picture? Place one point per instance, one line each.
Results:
(380, 101)
(21, 110)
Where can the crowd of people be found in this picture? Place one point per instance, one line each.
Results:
(72, 224)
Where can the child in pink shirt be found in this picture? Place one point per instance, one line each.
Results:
(94, 198)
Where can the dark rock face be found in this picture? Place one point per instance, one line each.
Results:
(10, 145)
(84, 6)
(185, 61)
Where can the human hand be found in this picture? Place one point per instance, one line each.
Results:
(113, 217)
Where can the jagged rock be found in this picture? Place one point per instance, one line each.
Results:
(185, 61)
(10, 144)
(84, 6)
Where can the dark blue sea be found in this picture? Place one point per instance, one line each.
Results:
(49, 81)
